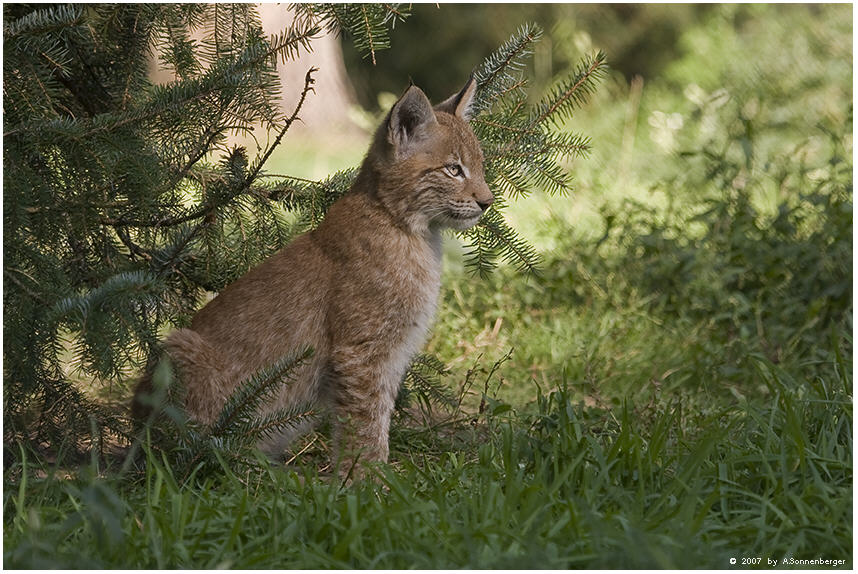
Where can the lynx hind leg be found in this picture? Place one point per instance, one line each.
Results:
(202, 373)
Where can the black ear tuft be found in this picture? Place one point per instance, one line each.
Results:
(460, 104)
(408, 115)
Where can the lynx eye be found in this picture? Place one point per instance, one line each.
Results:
(454, 169)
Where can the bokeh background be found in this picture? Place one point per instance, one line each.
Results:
(745, 109)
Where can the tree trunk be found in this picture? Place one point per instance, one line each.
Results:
(327, 107)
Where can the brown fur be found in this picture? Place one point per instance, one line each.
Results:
(361, 289)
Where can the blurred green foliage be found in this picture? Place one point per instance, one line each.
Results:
(711, 225)
(639, 39)
(756, 224)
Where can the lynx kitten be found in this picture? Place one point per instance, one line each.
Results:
(361, 289)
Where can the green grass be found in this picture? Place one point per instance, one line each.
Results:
(672, 391)
(656, 485)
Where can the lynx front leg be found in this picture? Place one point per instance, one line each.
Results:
(363, 391)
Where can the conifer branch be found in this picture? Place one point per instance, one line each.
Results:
(494, 77)
(424, 379)
(288, 44)
(366, 24)
(7, 273)
(368, 29)
(250, 394)
(491, 235)
(278, 421)
(133, 248)
(205, 210)
(308, 87)
(43, 21)
(573, 92)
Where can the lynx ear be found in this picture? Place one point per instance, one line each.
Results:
(460, 104)
(407, 116)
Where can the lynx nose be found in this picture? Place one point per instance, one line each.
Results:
(485, 203)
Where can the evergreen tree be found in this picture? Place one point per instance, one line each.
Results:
(124, 205)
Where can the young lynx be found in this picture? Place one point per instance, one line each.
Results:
(361, 289)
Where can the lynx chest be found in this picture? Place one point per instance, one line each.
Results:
(413, 298)
(410, 286)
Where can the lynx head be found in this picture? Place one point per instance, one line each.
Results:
(428, 162)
